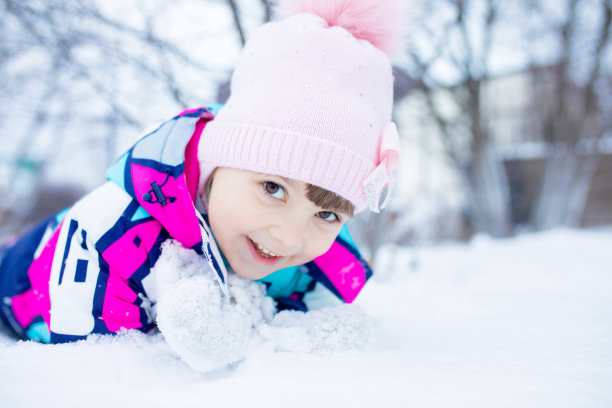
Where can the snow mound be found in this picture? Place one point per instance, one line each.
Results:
(207, 329)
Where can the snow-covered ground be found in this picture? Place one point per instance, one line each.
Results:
(524, 322)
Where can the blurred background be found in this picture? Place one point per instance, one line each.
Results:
(504, 106)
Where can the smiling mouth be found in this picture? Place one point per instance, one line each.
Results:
(263, 254)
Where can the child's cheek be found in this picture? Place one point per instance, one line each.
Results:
(319, 247)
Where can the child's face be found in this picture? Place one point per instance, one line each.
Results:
(264, 223)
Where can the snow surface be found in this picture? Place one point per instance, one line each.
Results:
(523, 322)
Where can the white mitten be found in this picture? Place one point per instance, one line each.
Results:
(207, 329)
(324, 331)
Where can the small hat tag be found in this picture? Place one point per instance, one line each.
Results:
(382, 176)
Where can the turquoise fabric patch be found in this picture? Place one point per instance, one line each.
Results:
(117, 172)
(39, 331)
(59, 217)
(140, 214)
(214, 108)
(286, 281)
(344, 234)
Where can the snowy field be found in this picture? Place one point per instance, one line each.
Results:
(525, 322)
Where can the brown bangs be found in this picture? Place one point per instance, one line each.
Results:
(329, 201)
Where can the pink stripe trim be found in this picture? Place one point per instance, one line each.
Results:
(40, 274)
(125, 257)
(187, 111)
(25, 307)
(343, 270)
(177, 217)
(192, 165)
(119, 311)
(35, 301)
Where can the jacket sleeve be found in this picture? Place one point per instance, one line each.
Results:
(73, 282)
(88, 294)
(342, 269)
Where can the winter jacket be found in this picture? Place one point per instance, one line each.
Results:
(89, 269)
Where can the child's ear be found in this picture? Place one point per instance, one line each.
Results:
(205, 191)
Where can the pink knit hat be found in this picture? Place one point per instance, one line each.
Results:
(311, 100)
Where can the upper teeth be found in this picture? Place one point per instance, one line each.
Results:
(265, 250)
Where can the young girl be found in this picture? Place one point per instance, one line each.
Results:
(261, 188)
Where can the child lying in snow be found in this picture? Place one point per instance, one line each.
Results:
(262, 188)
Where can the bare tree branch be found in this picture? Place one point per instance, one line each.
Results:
(237, 22)
(488, 36)
(267, 10)
(604, 38)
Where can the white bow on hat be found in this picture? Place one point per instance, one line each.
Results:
(382, 176)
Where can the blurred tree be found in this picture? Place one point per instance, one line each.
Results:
(571, 104)
(462, 47)
(77, 74)
(453, 53)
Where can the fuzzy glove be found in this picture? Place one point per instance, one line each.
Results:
(204, 327)
(324, 331)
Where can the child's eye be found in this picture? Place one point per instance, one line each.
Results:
(328, 216)
(274, 190)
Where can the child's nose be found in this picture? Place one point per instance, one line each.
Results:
(289, 234)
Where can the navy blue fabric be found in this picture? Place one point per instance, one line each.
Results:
(296, 301)
(74, 225)
(81, 270)
(318, 275)
(65, 338)
(287, 303)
